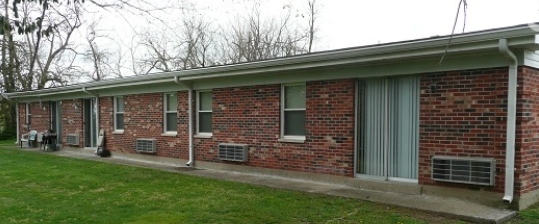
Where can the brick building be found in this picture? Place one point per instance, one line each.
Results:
(382, 114)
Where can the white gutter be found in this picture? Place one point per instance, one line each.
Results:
(191, 161)
(97, 110)
(511, 121)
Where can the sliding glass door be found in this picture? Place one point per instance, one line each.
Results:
(389, 127)
(90, 125)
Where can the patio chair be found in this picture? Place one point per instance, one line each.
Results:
(29, 139)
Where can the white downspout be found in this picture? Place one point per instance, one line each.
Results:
(511, 121)
(17, 120)
(97, 110)
(191, 161)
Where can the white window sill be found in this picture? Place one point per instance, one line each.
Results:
(118, 132)
(170, 134)
(203, 136)
(292, 140)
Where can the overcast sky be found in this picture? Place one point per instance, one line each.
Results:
(340, 23)
(349, 23)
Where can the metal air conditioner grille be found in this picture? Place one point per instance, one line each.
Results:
(234, 152)
(72, 139)
(145, 145)
(467, 170)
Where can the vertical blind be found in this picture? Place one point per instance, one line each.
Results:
(389, 127)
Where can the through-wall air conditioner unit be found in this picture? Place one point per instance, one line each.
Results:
(233, 152)
(466, 170)
(72, 139)
(145, 145)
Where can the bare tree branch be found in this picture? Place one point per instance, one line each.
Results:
(465, 7)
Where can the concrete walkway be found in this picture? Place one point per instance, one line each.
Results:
(449, 207)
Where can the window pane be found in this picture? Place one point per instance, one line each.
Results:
(294, 123)
(294, 96)
(205, 101)
(205, 120)
(119, 104)
(172, 124)
(119, 121)
(172, 102)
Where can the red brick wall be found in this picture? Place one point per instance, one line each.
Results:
(182, 142)
(23, 127)
(251, 115)
(143, 118)
(466, 116)
(106, 123)
(72, 119)
(40, 117)
(527, 143)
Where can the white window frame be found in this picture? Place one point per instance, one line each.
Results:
(115, 99)
(27, 113)
(166, 111)
(198, 133)
(290, 138)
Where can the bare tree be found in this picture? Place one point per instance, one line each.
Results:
(196, 44)
(254, 38)
(34, 55)
(60, 57)
(118, 65)
(159, 55)
(190, 46)
(100, 58)
(463, 4)
(312, 15)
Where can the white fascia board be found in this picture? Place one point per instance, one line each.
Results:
(352, 60)
(93, 86)
(358, 56)
(531, 59)
(25, 96)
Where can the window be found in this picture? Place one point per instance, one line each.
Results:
(293, 111)
(119, 113)
(28, 115)
(170, 112)
(204, 112)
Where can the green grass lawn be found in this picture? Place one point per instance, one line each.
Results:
(8, 142)
(38, 187)
(528, 216)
